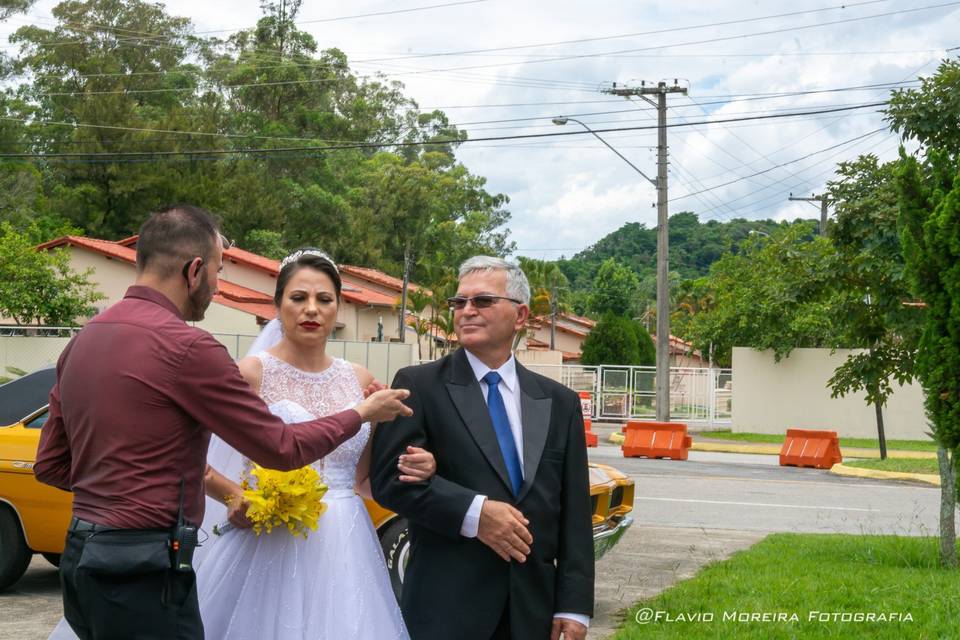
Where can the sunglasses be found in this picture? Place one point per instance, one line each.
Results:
(483, 301)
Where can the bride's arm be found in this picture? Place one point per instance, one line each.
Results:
(362, 486)
(416, 465)
(227, 492)
(219, 487)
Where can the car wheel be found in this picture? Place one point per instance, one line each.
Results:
(52, 558)
(14, 552)
(395, 542)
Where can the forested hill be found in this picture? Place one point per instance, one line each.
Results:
(694, 246)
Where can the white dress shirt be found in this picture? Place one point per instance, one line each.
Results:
(510, 392)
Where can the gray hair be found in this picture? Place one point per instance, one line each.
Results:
(517, 285)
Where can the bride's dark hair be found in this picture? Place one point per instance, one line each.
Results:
(310, 259)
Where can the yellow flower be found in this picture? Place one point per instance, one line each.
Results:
(284, 498)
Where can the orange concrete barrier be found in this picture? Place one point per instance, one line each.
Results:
(656, 440)
(586, 406)
(810, 448)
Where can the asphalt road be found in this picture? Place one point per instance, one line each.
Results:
(753, 493)
(688, 514)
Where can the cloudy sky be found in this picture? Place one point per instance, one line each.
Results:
(506, 67)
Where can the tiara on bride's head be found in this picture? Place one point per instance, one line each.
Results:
(296, 255)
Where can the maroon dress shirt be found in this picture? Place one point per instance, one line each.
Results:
(138, 392)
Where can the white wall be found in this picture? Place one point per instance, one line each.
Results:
(771, 397)
(383, 359)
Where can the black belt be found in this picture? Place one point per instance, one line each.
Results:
(82, 526)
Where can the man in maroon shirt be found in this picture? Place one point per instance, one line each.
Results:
(138, 393)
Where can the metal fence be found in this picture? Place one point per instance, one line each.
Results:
(702, 396)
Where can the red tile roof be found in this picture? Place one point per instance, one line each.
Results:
(234, 254)
(105, 247)
(544, 322)
(230, 295)
(122, 249)
(241, 256)
(361, 295)
(581, 320)
(245, 299)
(376, 277)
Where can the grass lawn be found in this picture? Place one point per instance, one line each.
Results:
(809, 583)
(904, 465)
(861, 443)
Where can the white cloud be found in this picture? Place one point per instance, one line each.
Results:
(568, 192)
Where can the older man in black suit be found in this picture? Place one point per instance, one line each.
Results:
(501, 536)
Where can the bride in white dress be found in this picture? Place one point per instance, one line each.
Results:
(334, 583)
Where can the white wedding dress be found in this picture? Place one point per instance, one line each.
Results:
(331, 585)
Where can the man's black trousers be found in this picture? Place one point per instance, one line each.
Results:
(141, 605)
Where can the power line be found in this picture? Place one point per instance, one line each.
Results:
(684, 44)
(706, 41)
(146, 35)
(398, 144)
(782, 164)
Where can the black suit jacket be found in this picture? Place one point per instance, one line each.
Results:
(457, 587)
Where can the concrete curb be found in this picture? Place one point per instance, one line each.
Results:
(874, 474)
(838, 469)
(763, 449)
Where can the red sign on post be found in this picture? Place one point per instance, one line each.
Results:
(586, 406)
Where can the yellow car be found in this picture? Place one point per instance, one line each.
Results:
(34, 516)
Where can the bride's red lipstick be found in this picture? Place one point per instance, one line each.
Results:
(310, 326)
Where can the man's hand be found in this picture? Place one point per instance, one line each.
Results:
(504, 529)
(571, 629)
(384, 405)
(237, 512)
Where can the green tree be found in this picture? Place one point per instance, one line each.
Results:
(929, 192)
(613, 341)
(266, 243)
(646, 349)
(773, 294)
(870, 285)
(614, 289)
(38, 287)
(122, 90)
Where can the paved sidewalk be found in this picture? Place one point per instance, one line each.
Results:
(649, 560)
(30, 609)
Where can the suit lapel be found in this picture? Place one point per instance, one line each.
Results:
(535, 407)
(467, 397)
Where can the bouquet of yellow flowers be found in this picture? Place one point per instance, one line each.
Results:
(293, 499)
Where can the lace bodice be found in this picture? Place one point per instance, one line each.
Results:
(324, 393)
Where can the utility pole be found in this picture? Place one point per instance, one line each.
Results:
(822, 199)
(663, 238)
(403, 292)
(553, 317)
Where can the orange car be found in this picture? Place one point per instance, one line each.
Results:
(34, 516)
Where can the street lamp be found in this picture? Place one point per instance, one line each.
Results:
(562, 120)
(663, 292)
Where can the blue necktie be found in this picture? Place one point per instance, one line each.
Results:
(501, 425)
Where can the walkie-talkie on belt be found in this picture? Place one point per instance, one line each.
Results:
(184, 541)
